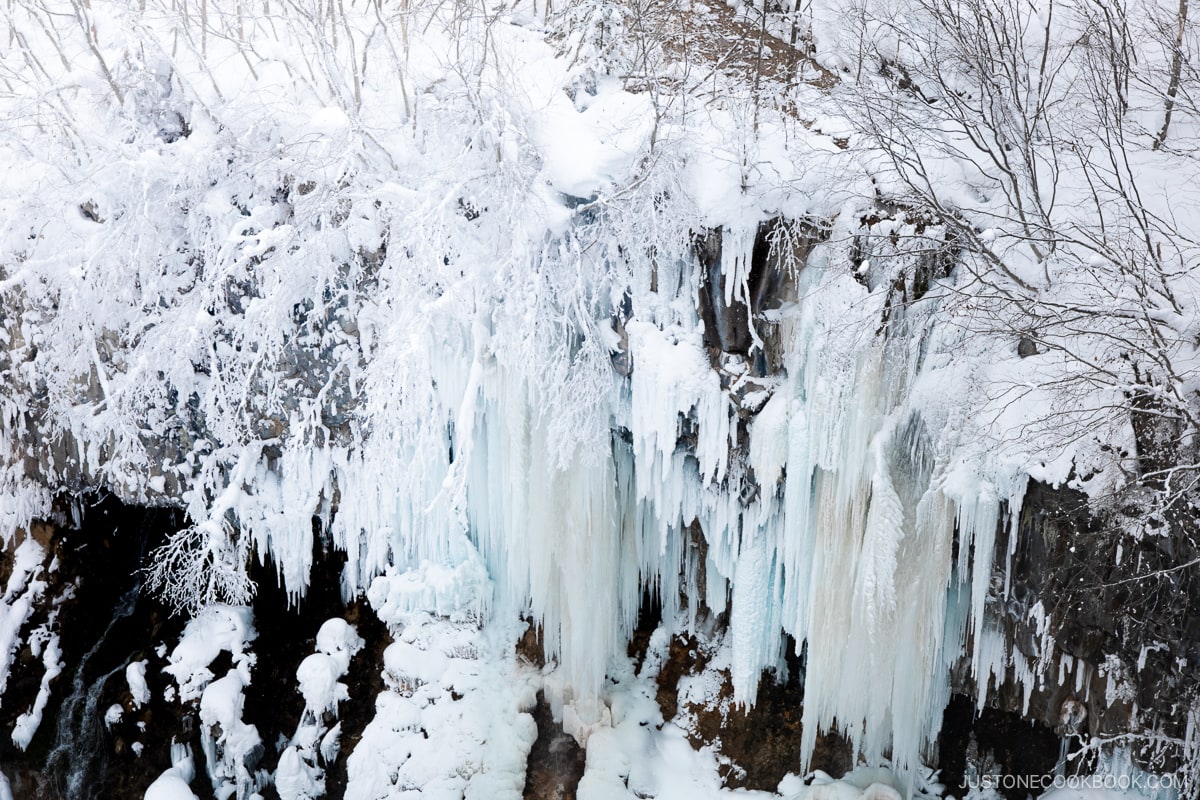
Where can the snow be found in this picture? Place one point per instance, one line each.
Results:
(860, 783)
(169, 786)
(294, 779)
(339, 640)
(442, 589)
(52, 665)
(585, 151)
(637, 755)
(20, 594)
(769, 442)
(221, 702)
(113, 715)
(135, 677)
(25, 587)
(228, 742)
(318, 677)
(453, 722)
(173, 784)
(300, 774)
(217, 628)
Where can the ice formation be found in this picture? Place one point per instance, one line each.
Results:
(300, 774)
(479, 362)
(174, 783)
(26, 586)
(228, 742)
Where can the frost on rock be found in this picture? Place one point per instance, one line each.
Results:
(300, 774)
(232, 748)
(174, 783)
(135, 677)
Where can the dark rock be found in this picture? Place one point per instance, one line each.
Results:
(756, 746)
(105, 624)
(287, 632)
(556, 761)
(725, 326)
(994, 742)
(1116, 606)
(532, 646)
(780, 251)
(97, 573)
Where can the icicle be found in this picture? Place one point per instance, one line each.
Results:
(737, 251)
(755, 616)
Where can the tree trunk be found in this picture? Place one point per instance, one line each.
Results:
(1176, 67)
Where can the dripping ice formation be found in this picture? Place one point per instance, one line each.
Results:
(498, 375)
(847, 545)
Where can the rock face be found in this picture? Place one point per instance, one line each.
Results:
(1106, 619)
(556, 761)
(1092, 616)
(92, 605)
(757, 746)
(992, 742)
(750, 328)
(105, 736)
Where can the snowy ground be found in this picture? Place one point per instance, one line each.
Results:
(454, 723)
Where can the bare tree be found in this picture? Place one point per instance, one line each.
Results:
(1028, 108)
(1015, 127)
(1181, 21)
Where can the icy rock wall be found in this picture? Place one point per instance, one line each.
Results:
(268, 311)
(849, 544)
(830, 512)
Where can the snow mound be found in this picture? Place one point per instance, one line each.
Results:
(216, 629)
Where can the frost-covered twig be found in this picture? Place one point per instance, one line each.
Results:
(206, 563)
